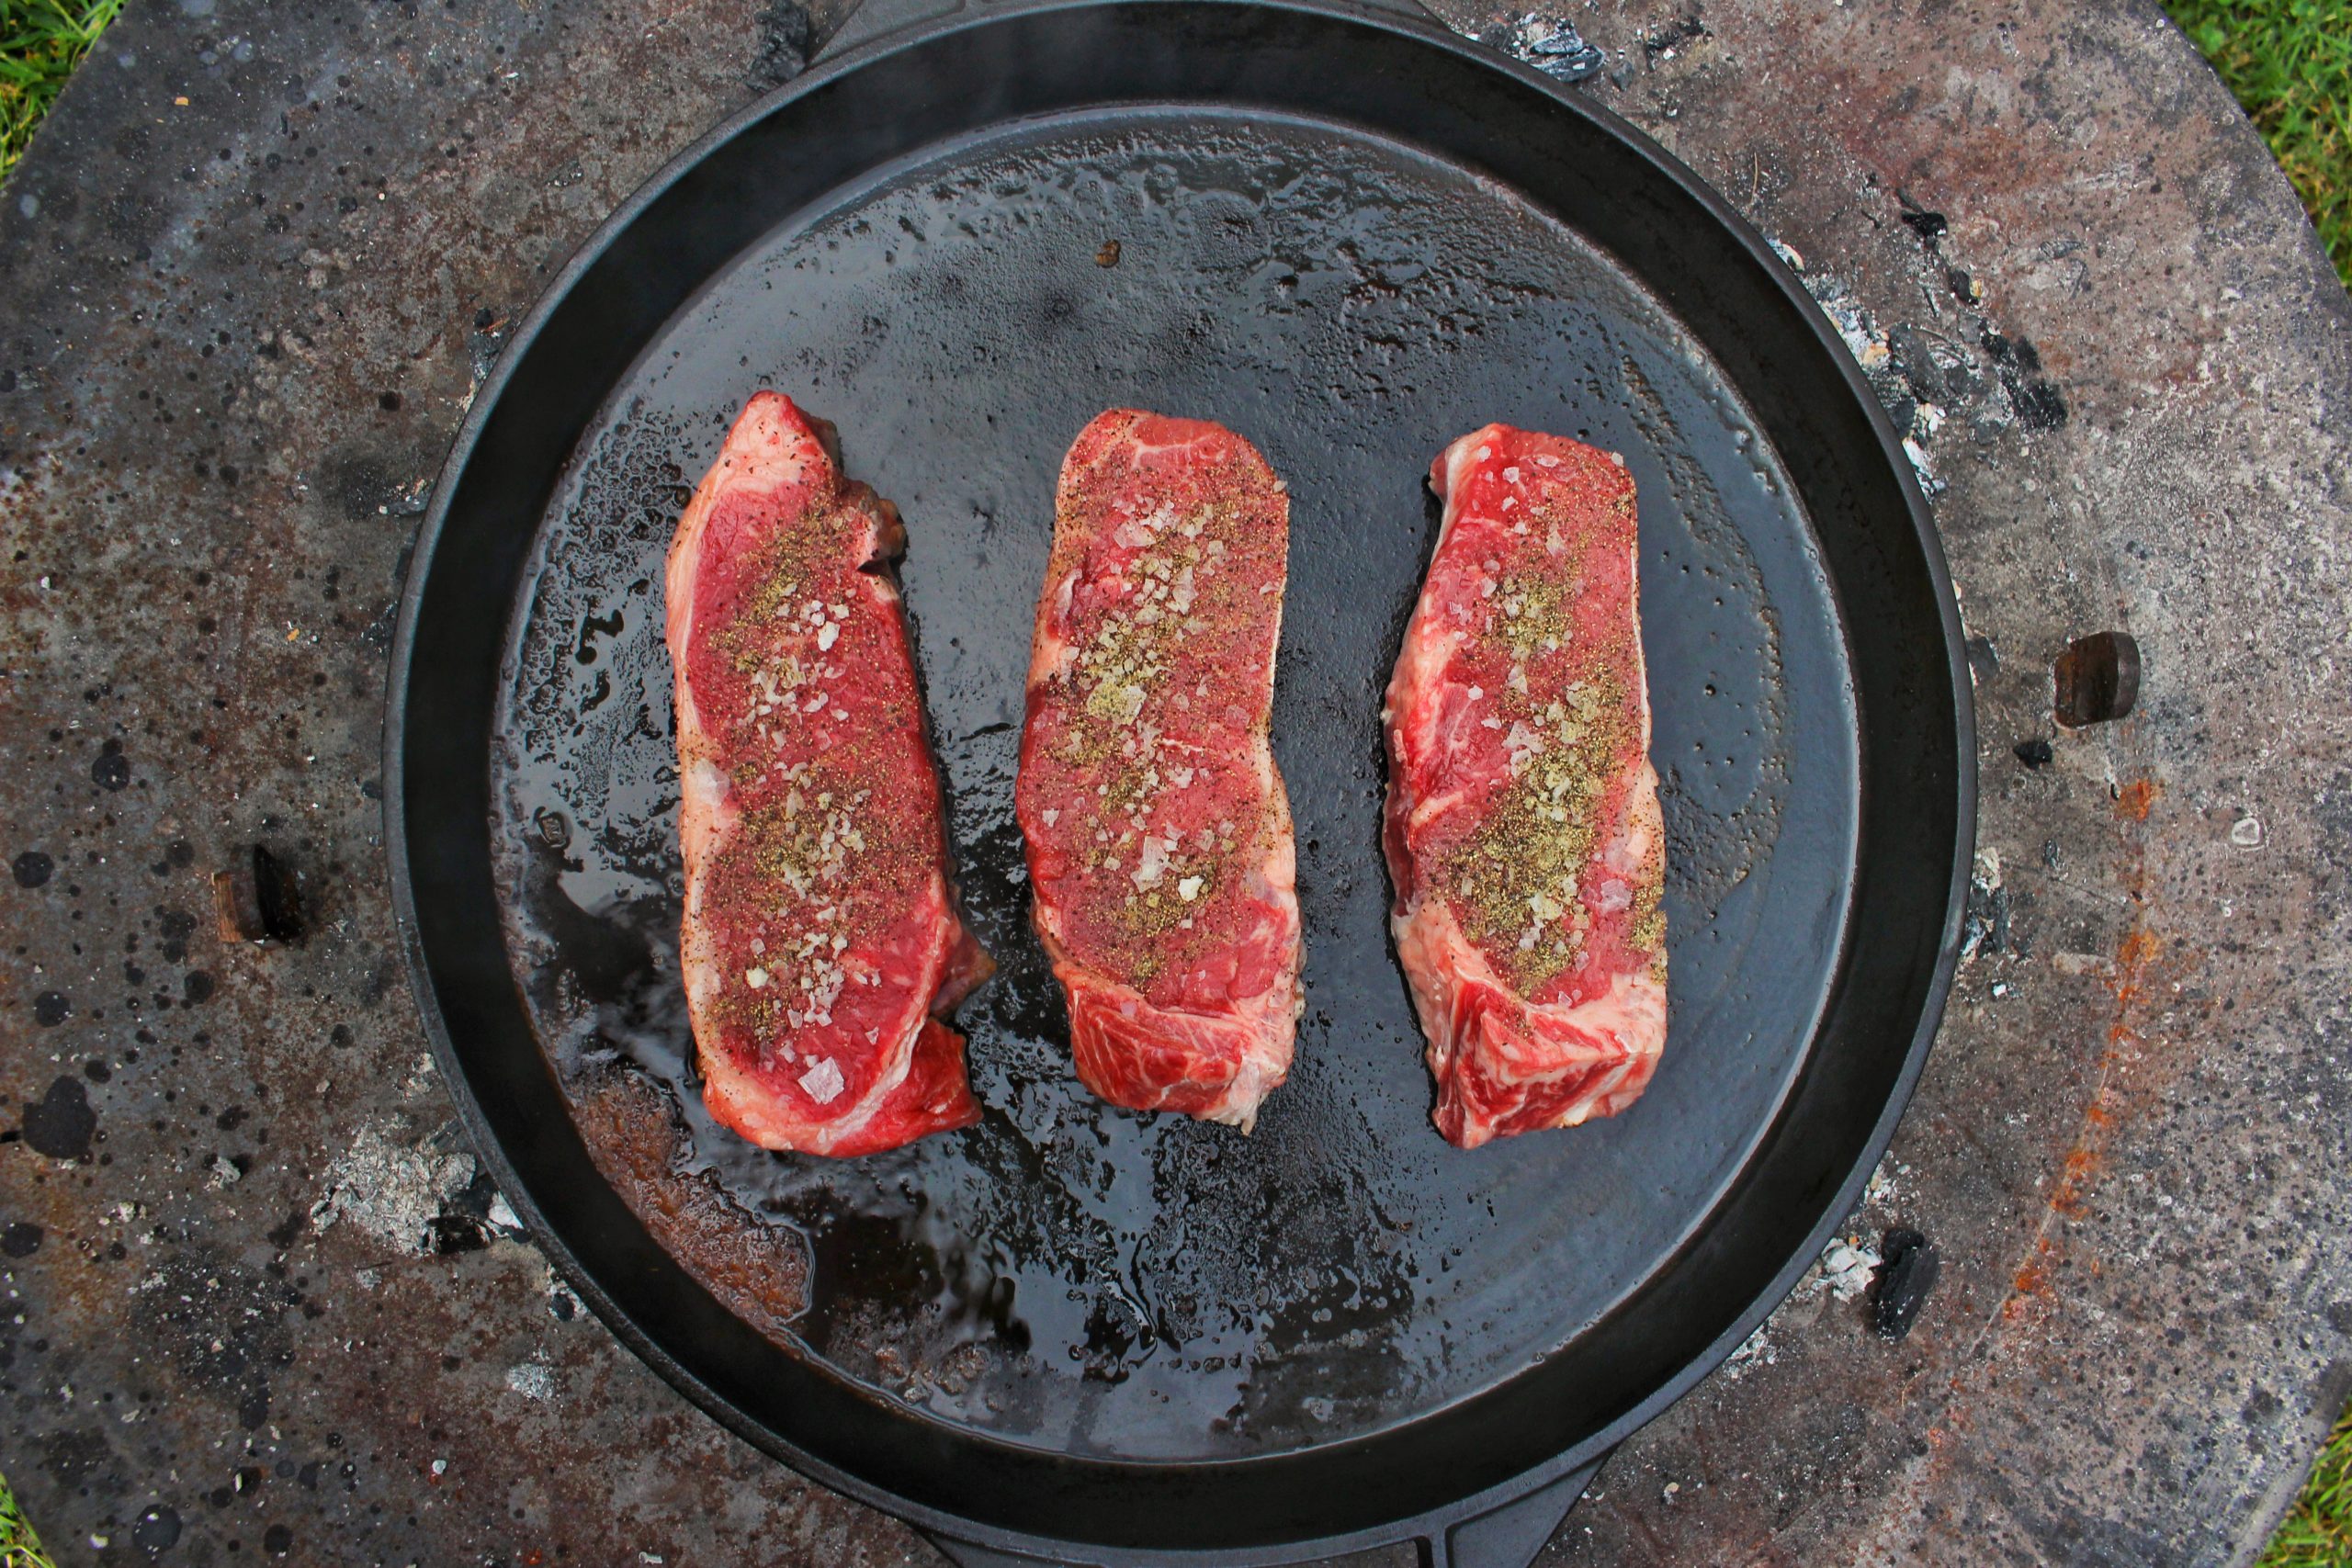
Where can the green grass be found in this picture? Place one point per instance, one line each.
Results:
(19, 1548)
(2289, 63)
(2318, 1532)
(40, 42)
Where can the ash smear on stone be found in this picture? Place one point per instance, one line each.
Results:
(1963, 373)
(397, 1191)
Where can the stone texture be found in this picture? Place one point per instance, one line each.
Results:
(248, 279)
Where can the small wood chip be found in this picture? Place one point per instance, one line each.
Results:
(258, 900)
(235, 905)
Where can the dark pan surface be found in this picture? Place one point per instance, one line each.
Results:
(1350, 239)
(1101, 1281)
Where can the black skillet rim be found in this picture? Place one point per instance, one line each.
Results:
(642, 1343)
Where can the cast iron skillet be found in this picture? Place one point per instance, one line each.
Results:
(1079, 1335)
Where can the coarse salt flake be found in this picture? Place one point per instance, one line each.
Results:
(823, 1082)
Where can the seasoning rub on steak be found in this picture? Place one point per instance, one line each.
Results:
(1159, 835)
(821, 945)
(1522, 833)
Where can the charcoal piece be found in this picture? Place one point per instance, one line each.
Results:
(1552, 46)
(1907, 1270)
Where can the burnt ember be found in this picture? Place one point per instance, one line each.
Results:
(1661, 44)
(2037, 399)
(457, 1232)
(784, 36)
(1908, 1268)
(1929, 226)
(2033, 754)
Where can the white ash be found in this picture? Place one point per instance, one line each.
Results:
(1553, 47)
(1756, 1350)
(1885, 1190)
(419, 1077)
(1847, 1268)
(1984, 882)
(391, 1188)
(532, 1380)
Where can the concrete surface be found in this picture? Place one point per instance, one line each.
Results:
(258, 1305)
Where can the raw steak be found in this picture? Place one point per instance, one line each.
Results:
(1524, 834)
(821, 944)
(1159, 835)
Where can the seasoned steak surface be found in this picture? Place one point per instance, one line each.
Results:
(1522, 834)
(821, 943)
(1159, 835)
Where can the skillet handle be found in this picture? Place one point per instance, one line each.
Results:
(873, 19)
(1508, 1537)
(1412, 8)
(963, 1554)
(1512, 1535)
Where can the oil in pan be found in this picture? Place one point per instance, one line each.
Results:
(1069, 1275)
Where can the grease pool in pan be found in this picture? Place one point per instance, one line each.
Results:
(1091, 1279)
